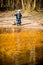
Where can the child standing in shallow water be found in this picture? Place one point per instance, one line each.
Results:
(18, 18)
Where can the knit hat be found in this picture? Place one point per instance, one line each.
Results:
(19, 10)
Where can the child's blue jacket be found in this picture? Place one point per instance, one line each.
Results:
(18, 16)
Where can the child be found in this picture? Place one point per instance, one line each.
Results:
(18, 18)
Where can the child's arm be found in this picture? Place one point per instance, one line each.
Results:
(15, 14)
(21, 14)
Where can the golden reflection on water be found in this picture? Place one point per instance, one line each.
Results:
(19, 46)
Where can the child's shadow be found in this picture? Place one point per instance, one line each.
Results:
(25, 24)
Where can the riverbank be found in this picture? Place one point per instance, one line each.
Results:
(29, 20)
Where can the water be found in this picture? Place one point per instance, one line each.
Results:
(20, 46)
